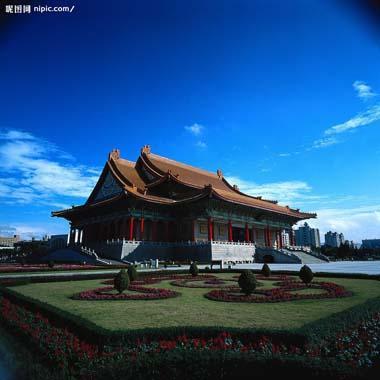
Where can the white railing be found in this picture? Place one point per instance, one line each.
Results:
(163, 243)
(91, 252)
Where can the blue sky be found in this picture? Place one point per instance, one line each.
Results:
(282, 96)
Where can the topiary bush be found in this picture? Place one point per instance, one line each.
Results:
(132, 273)
(193, 269)
(247, 282)
(306, 274)
(265, 270)
(121, 281)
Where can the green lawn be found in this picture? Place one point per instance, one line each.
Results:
(192, 309)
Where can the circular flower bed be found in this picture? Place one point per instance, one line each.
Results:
(148, 280)
(204, 282)
(142, 293)
(280, 277)
(286, 292)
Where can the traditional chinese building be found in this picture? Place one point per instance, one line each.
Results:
(160, 208)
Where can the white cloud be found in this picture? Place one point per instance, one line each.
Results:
(367, 117)
(284, 192)
(356, 223)
(324, 142)
(201, 144)
(364, 91)
(195, 129)
(15, 135)
(35, 171)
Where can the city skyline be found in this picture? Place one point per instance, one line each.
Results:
(285, 101)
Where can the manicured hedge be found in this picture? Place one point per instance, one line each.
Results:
(200, 365)
(185, 365)
(312, 332)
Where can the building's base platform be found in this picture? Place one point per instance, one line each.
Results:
(205, 252)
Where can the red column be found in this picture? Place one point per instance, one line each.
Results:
(280, 238)
(253, 235)
(230, 238)
(269, 237)
(142, 229)
(210, 230)
(246, 233)
(193, 230)
(131, 220)
(154, 230)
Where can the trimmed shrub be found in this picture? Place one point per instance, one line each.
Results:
(132, 273)
(121, 281)
(306, 274)
(51, 264)
(247, 282)
(193, 269)
(265, 270)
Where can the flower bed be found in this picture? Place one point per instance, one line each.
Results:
(281, 277)
(148, 280)
(142, 293)
(282, 293)
(358, 346)
(10, 268)
(204, 282)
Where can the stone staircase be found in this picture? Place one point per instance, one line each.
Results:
(306, 258)
(286, 256)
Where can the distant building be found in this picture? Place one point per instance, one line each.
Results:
(307, 236)
(9, 241)
(371, 243)
(57, 241)
(334, 239)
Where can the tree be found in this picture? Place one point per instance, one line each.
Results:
(132, 273)
(247, 282)
(306, 274)
(265, 270)
(193, 269)
(121, 281)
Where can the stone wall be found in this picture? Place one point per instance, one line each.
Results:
(235, 252)
(184, 251)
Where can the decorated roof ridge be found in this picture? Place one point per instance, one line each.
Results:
(124, 181)
(181, 165)
(118, 175)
